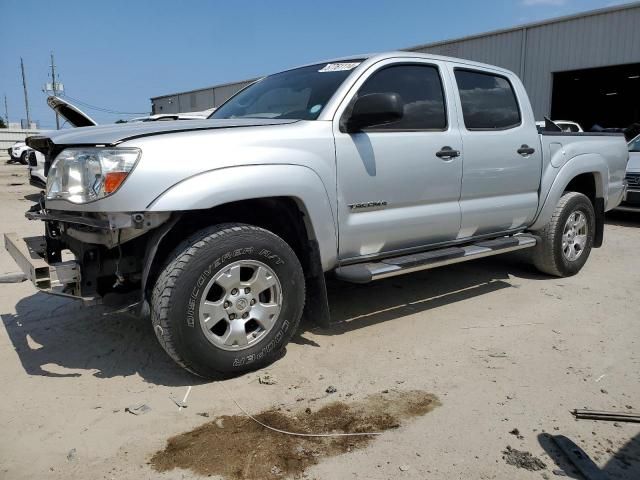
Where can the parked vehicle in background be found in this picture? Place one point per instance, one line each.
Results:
(75, 117)
(19, 152)
(36, 161)
(565, 125)
(368, 167)
(632, 200)
(174, 116)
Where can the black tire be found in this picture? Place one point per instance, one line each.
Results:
(548, 256)
(180, 286)
(23, 158)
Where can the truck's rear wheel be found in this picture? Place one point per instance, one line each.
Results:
(567, 239)
(228, 300)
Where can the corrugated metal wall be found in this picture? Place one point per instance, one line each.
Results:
(196, 100)
(535, 52)
(594, 39)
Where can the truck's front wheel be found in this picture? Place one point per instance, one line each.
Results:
(566, 241)
(228, 300)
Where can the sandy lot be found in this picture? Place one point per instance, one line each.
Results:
(500, 346)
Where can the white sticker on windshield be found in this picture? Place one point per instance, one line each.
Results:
(339, 67)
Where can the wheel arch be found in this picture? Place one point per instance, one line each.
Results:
(287, 217)
(292, 188)
(587, 174)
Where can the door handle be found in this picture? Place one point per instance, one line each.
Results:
(525, 150)
(447, 152)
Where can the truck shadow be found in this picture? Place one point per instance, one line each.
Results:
(359, 306)
(57, 337)
(622, 219)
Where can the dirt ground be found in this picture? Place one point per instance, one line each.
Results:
(507, 352)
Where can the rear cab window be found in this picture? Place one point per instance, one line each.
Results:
(488, 100)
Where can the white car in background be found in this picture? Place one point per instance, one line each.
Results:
(631, 202)
(19, 152)
(565, 125)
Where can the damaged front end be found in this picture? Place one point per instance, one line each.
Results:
(86, 252)
(88, 255)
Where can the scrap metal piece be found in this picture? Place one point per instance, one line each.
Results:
(584, 414)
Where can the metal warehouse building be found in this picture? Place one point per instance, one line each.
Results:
(584, 67)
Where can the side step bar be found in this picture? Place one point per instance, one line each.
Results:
(391, 267)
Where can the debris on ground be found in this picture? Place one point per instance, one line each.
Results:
(15, 277)
(331, 389)
(275, 470)
(203, 414)
(521, 459)
(498, 355)
(516, 433)
(138, 409)
(179, 403)
(72, 456)
(267, 379)
(275, 455)
(584, 414)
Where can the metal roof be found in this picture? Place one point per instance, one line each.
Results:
(549, 21)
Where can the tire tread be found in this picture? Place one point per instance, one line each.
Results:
(544, 257)
(174, 267)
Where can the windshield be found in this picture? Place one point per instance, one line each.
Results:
(634, 145)
(298, 94)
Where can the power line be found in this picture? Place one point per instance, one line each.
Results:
(103, 109)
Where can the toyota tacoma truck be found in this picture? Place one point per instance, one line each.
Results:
(366, 167)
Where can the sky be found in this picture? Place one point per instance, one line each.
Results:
(115, 54)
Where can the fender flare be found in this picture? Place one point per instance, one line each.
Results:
(245, 182)
(592, 163)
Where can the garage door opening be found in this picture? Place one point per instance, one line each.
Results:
(607, 96)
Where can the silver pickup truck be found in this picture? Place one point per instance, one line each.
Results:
(366, 167)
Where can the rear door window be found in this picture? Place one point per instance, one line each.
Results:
(488, 101)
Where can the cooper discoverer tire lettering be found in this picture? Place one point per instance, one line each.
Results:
(228, 300)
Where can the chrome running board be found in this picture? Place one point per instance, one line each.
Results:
(391, 267)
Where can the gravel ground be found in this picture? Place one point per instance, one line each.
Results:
(507, 352)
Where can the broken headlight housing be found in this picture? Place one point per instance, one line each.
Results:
(82, 175)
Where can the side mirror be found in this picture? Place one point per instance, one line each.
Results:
(375, 109)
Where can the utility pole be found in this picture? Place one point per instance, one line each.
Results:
(6, 110)
(26, 97)
(55, 87)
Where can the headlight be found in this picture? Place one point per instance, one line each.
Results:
(81, 175)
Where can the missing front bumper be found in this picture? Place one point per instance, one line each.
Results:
(62, 278)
